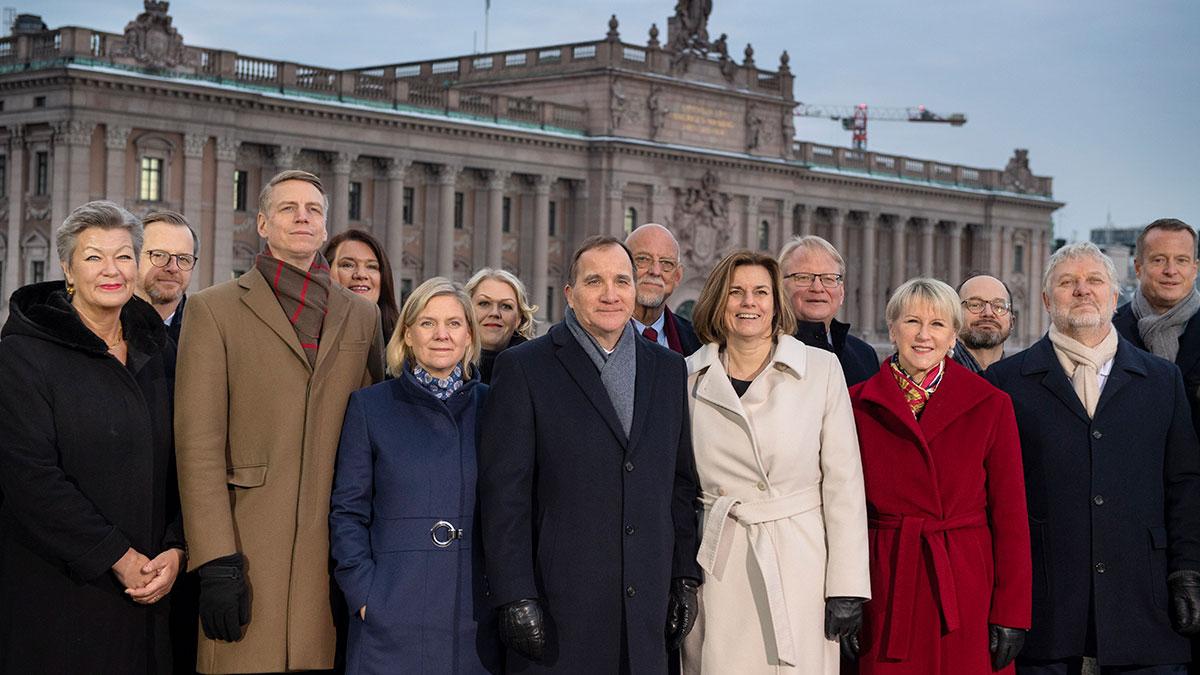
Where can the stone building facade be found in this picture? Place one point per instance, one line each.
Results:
(504, 159)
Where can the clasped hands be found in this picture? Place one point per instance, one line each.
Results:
(147, 581)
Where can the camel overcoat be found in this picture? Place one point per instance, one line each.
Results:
(785, 521)
(257, 433)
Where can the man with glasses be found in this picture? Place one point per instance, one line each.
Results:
(169, 253)
(987, 322)
(656, 257)
(813, 277)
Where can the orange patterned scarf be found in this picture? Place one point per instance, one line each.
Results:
(917, 394)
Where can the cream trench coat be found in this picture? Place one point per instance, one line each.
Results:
(785, 521)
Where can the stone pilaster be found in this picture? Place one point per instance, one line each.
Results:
(222, 250)
(541, 243)
(339, 219)
(116, 143)
(928, 227)
(497, 182)
(447, 178)
(397, 171)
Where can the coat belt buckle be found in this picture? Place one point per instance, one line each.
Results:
(451, 534)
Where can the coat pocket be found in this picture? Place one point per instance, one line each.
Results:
(1158, 565)
(250, 476)
(353, 345)
(1040, 554)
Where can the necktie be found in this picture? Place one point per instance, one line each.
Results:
(650, 334)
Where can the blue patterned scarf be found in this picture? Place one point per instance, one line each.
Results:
(441, 388)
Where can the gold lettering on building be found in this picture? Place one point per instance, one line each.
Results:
(703, 121)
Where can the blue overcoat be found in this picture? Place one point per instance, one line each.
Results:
(405, 464)
(1114, 503)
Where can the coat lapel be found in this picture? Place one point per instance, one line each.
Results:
(581, 369)
(954, 398)
(714, 386)
(1043, 360)
(1125, 362)
(1189, 345)
(643, 396)
(336, 313)
(262, 301)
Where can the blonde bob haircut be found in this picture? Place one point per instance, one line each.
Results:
(526, 325)
(708, 317)
(398, 352)
(937, 295)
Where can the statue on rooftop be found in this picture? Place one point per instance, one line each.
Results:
(152, 40)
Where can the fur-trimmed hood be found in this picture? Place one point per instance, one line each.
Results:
(44, 311)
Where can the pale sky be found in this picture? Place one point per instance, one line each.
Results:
(1100, 91)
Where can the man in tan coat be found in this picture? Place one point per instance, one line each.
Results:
(267, 363)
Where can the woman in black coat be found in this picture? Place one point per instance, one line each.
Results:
(90, 536)
(503, 312)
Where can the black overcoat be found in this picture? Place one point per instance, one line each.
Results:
(1114, 503)
(86, 469)
(1188, 357)
(593, 524)
(859, 360)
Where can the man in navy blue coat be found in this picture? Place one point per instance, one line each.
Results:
(588, 486)
(1112, 472)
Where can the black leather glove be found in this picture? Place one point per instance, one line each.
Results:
(224, 599)
(522, 628)
(682, 608)
(843, 620)
(1004, 644)
(1185, 601)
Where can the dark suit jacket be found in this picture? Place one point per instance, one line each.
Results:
(685, 333)
(176, 324)
(592, 523)
(1114, 503)
(1188, 358)
(859, 360)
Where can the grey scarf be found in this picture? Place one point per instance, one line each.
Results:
(1161, 332)
(618, 370)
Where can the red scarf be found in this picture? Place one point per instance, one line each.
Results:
(917, 394)
(303, 295)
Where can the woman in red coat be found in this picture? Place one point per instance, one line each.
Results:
(949, 536)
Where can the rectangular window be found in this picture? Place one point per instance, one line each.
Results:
(41, 173)
(150, 185)
(406, 287)
(1019, 259)
(355, 200)
(408, 206)
(3, 175)
(553, 219)
(458, 210)
(38, 270)
(549, 301)
(506, 215)
(241, 181)
(39, 101)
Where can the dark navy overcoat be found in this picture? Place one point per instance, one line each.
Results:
(406, 463)
(592, 523)
(1188, 357)
(1114, 503)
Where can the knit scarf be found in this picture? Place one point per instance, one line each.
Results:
(1161, 332)
(618, 370)
(917, 394)
(1082, 364)
(303, 295)
(442, 388)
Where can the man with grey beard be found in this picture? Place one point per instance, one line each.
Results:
(987, 322)
(659, 270)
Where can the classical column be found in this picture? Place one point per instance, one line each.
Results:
(783, 232)
(750, 233)
(616, 209)
(397, 169)
(541, 242)
(899, 257)
(928, 226)
(660, 207)
(837, 229)
(497, 181)
(285, 158)
(72, 159)
(340, 205)
(867, 319)
(806, 220)
(994, 262)
(116, 140)
(956, 272)
(222, 250)
(447, 177)
(16, 210)
(193, 177)
(1006, 251)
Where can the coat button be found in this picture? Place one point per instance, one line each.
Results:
(630, 591)
(630, 529)
(761, 485)
(629, 466)
(1100, 568)
(1096, 435)
(1098, 500)
(721, 492)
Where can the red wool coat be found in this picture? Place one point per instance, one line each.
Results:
(949, 535)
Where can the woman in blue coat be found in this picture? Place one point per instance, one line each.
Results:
(403, 513)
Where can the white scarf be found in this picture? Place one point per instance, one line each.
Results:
(1082, 364)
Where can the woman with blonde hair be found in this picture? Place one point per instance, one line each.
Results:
(402, 516)
(785, 523)
(504, 314)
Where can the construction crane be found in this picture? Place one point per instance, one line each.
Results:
(854, 117)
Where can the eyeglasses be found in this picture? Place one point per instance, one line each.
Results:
(644, 262)
(975, 306)
(829, 280)
(186, 261)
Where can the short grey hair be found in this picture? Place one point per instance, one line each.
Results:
(937, 294)
(1082, 249)
(173, 218)
(101, 213)
(812, 243)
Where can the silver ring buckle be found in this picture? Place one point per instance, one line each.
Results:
(451, 532)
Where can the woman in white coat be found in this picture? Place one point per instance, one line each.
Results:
(785, 524)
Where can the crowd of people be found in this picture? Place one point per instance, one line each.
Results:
(291, 471)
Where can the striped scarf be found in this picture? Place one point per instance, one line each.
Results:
(303, 295)
(917, 394)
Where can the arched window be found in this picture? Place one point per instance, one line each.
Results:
(36, 252)
(764, 235)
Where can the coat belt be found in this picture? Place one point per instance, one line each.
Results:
(914, 530)
(712, 556)
(393, 535)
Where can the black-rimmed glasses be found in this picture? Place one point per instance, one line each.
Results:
(828, 280)
(975, 306)
(186, 261)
